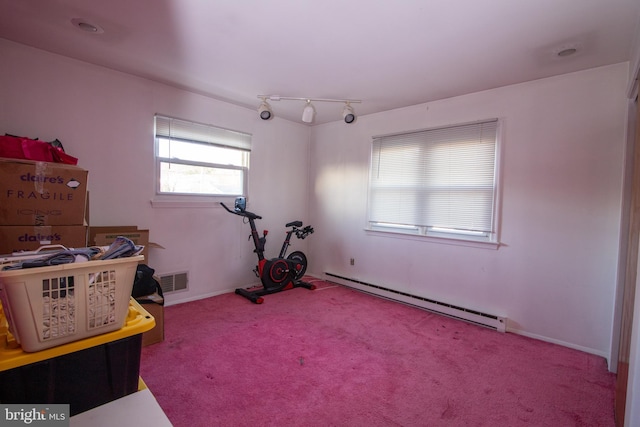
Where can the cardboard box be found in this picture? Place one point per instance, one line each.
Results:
(41, 193)
(15, 238)
(156, 334)
(104, 236)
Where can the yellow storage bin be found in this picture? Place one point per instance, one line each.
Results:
(137, 321)
(84, 374)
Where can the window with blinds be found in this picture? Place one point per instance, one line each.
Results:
(198, 159)
(437, 182)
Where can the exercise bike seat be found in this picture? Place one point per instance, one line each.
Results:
(294, 224)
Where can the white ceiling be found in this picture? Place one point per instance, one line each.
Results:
(388, 54)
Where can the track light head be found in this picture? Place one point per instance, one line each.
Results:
(308, 112)
(265, 110)
(347, 114)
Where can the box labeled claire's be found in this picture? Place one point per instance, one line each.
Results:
(16, 238)
(41, 193)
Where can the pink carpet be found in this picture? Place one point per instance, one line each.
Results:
(338, 357)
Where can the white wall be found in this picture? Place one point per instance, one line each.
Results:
(105, 118)
(554, 276)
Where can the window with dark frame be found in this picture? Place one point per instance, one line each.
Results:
(437, 182)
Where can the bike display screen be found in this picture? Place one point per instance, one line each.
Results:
(240, 204)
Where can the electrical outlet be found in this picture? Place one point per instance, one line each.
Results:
(352, 261)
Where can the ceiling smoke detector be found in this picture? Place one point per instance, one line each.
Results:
(86, 26)
(567, 52)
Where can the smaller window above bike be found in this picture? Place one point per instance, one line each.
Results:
(200, 160)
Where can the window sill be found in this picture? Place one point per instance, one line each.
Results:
(436, 239)
(189, 202)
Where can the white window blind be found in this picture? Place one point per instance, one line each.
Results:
(177, 129)
(435, 181)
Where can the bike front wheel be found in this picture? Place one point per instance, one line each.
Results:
(301, 259)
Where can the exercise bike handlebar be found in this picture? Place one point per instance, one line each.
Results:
(241, 212)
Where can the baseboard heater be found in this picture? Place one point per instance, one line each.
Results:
(483, 319)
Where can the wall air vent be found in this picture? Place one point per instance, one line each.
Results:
(174, 282)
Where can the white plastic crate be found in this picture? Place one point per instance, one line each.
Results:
(50, 306)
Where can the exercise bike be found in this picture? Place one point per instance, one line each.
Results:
(277, 274)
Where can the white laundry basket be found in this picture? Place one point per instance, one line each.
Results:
(50, 306)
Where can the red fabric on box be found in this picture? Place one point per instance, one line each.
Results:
(13, 147)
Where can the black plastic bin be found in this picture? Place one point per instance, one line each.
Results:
(83, 379)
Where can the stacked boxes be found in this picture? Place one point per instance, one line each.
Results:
(41, 203)
(69, 333)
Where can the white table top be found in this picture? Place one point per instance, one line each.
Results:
(139, 409)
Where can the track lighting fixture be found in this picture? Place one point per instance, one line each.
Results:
(265, 110)
(309, 111)
(347, 114)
